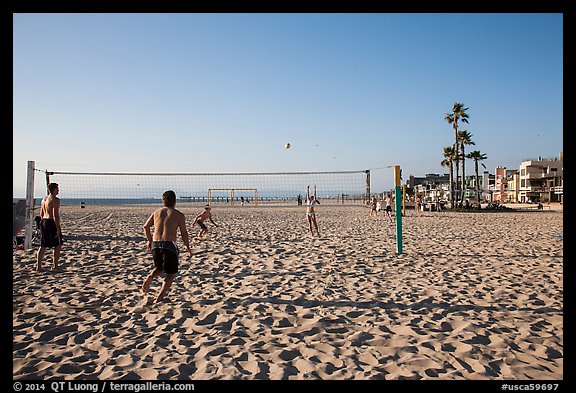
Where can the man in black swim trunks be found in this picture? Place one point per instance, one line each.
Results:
(166, 222)
(200, 218)
(50, 227)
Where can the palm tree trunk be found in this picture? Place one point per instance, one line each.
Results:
(451, 186)
(456, 146)
(463, 174)
(477, 184)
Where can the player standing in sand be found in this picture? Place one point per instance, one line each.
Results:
(418, 204)
(388, 208)
(200, 218)
(373, 207)
(166, 222)
(50, 227)
(310, 213)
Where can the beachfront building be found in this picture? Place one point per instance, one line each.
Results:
(541, 180)
(486, 182)
(503, 189)
(513, 187)
(469, 192)
(537, 180)
(431, 188)
(470, 187)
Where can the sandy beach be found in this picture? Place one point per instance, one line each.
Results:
(473, 296)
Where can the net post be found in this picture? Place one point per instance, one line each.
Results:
(398, 207)
(29, 205)
(255, 197)
(367, 199)
(48, 179)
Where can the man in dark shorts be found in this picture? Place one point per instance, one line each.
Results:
(373, 205)
(50, 227)
(388, 211)
(166, 222)
(200, 218)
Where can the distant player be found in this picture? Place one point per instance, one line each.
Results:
(388, 209)
(373, 207)
(418, 204)
(311, 201)
(200, 218)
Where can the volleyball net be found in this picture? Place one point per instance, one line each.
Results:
(343, 187)
(234, 189)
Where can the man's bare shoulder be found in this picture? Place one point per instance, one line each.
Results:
(172, 211)
(51, 199)
(178, 212)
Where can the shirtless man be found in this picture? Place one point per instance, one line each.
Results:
(389, 208)
(310, 213)
(418, 204)
(166, 222)
(200, 218)
(373, 207)
(50, 227)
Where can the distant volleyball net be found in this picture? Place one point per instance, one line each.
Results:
(234, 189)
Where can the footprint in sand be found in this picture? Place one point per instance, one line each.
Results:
(140, 309)
(142, 305)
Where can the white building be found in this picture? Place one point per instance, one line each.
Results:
(541, 180)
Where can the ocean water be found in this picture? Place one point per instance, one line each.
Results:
(158, 201)
(100, 201)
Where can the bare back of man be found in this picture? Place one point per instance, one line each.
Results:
(166, 222)
(49, 208)
(50, 227)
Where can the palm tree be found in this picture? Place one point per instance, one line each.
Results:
(448, 161)
(465, 138)
(458, 113)
(477, 156)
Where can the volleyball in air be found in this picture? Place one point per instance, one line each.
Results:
(287, 146)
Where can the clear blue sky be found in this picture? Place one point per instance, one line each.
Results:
(224, 92)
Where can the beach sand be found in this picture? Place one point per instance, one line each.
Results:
(473, 296)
